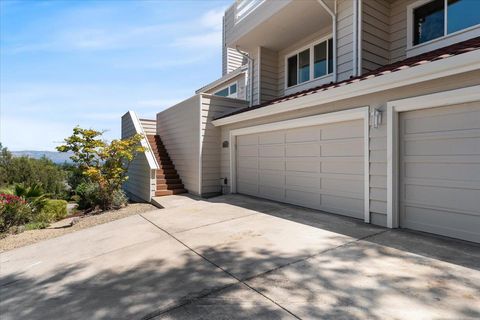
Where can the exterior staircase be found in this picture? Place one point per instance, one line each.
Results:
(168, 180)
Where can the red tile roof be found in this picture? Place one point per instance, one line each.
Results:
(439, 54)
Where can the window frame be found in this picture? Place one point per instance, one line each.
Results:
(445, 40)
(310, 48)
(228, 86)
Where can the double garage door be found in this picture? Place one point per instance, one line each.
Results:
(440, 170)
(320, 167)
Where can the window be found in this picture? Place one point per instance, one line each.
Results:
(230, 91)
(438, 18)
(311, 63)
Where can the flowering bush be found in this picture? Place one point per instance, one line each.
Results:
(14, 211)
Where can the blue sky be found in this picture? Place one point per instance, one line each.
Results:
(68, 63)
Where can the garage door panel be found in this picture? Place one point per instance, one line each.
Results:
(343, 167)
(343, 148)
(302, 198)
(302, 135)
(343, 185)
(247, 175)
(302, 165)
(450, 171)
(443, 222)
(271, 163)
(343, 130)
(272, 151)
(248, 150)
(291, 167)
(440, 170)
(247, 162)
(302, 150)
(251, 139)
(443, 147)
(296, 180)
(277, 194)
(247, 188)
(271, 137)
(343, 205)
(273, 178)
(442, 122)
(443, 197)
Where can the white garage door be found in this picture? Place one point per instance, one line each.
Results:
(320, 167)
(440, 170)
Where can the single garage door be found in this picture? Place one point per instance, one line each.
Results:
(440, 170)
(320, 167)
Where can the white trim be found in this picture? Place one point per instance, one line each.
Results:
(445, 40)
(340, 116)
(451, 97)
(310, 48)
(436, 69)
(152, 162)
(200, 142)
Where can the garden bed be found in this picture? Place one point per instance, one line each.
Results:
(62, 227)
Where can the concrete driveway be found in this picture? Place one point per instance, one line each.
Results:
(236, 257)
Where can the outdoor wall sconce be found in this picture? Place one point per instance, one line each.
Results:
(225, 144)
(376, 118)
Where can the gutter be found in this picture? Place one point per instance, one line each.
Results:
(436, 69)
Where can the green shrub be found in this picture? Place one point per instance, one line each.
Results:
(36, 225)
(119, 199)
(14, 211)
(89, 196)
(53, 210)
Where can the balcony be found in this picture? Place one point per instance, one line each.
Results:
(273, 24)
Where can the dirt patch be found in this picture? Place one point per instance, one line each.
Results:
(63, 227)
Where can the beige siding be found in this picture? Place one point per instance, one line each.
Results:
(378, 136)
(344, 39)
(268, 74)
(231, 59)
(139, 185)
(375, 34)
(256, 73)
(398, 29)
(179, 128)
(213, 107)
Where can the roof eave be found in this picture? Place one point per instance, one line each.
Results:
(457, 64)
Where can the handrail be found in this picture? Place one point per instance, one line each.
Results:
(152, 162)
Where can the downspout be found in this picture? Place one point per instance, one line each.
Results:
(359, 41)
(250, 75)
(332, 14)
(355, 38)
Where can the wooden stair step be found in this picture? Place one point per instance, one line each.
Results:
(169, 181)
(169, 192)
(166, 171)
(167, 176)
(169, 186)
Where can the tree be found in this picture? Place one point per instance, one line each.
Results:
(105, 164)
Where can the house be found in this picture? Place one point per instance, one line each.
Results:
(363, 108)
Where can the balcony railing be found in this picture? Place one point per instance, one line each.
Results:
(244, 7)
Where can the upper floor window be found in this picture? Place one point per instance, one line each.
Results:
(314, 62)
(438, 18)
(230, 91)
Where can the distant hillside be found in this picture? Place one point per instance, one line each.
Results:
(57, 157)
